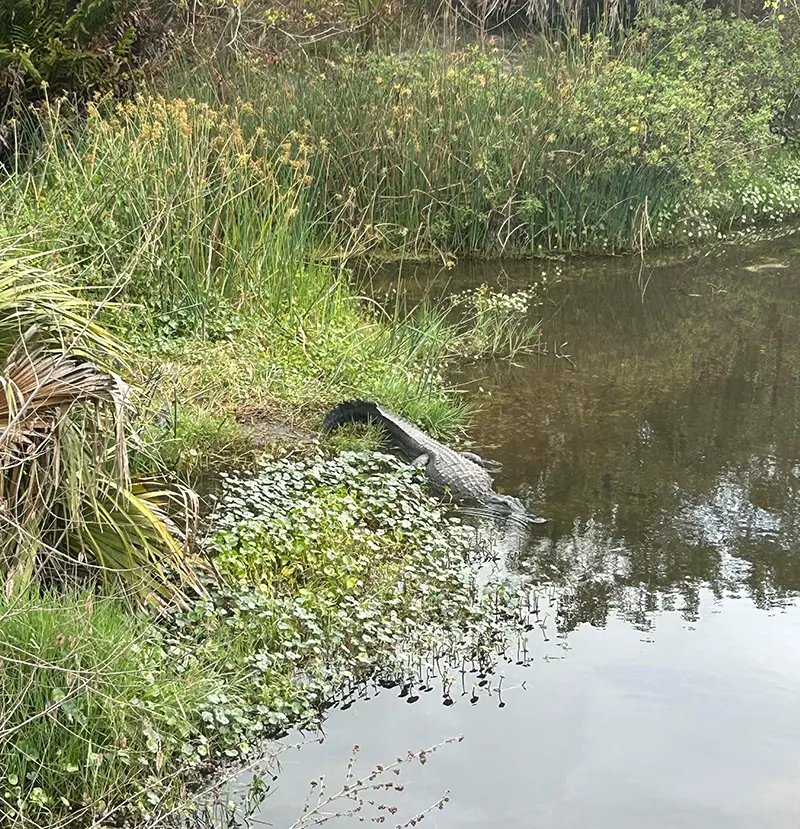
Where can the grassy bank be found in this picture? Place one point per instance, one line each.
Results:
(154, 219)
(336, 571)
(677, 132)
(205, 257)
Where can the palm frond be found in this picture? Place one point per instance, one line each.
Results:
(33, 293)
(67, 503)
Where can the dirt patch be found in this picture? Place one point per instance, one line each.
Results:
(278, 428)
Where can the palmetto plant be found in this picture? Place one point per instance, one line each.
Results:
(68, 508)
(69, 44)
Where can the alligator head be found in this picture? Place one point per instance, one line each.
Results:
(508, 505)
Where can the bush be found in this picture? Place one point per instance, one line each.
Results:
(72, 46)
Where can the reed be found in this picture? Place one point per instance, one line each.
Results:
(509, 150)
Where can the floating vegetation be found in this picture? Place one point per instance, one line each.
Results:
(344, 569)
(340, 573)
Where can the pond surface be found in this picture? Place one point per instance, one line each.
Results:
(661, 437)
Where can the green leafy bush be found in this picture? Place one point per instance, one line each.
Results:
(75, 46)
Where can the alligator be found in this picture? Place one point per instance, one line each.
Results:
(463, 474)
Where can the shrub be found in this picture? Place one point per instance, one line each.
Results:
(72, 46)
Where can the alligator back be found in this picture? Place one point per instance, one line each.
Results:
(445, 469)
(407, 437)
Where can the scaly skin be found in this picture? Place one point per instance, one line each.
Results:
(460, 473)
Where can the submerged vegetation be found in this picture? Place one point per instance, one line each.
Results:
(176, 296)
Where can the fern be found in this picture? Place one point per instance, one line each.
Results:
(124, 45)
(92, 19)
(75, 46)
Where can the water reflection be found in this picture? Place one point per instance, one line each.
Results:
(692, 727)
(667, 452)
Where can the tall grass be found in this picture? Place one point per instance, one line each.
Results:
(596, 146)
(171, 194)
(93, 720)
(226, 186)
(229, 286)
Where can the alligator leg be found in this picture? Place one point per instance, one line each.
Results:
(494, 466)
(471, 456)
(421, 460)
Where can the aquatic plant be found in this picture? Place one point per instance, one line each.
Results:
(315, 535)
(340, 570)
(496, 323)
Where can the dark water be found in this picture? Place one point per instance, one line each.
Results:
(664, 689)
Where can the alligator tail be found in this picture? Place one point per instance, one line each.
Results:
(352, 411)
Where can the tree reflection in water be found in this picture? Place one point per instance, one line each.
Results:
(668, 456)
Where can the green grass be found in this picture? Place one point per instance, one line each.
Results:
(270, 374)
(94, 718)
